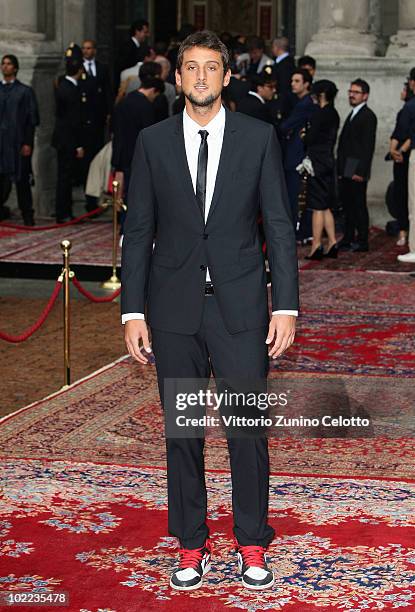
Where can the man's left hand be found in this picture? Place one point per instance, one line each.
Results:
(26, 151)
(282, 332)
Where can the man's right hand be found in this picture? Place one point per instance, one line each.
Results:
(136, 337)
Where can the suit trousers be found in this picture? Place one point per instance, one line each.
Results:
(356, 216)
(411, 201)
(66, 176)
(237, 356)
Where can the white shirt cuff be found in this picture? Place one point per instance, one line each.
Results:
(293, 313)
(130, 316)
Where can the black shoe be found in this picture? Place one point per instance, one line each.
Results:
(194, 564)
(253, 567)
(359, 247)
(344, 245)
(332, 252)
(28, 220)
(316, 255)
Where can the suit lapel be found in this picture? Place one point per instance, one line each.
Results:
(224, 161)
(179, 151)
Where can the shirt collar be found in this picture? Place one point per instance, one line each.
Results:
(72, 80)
(256, 94)
(281, 57)
(214, 127)
(357, 108)
(91, 61)
(8, 82)
(135, 41)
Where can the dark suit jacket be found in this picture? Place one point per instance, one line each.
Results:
(250, 105)
(283, 72)
(98, 94)
(170, 280)
(130, 54)
(290, 129)
(357, 143)
(67, 134)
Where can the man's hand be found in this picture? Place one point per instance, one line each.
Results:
(136, 336)
(357, 178)
(26, 151)
(282, 329)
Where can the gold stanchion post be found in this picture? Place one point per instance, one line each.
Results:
(114, 282)
(66, 277)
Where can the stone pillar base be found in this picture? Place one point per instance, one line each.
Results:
(402, 44)
(344, 42)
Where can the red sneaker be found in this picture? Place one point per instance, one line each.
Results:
(194, 564)
(252, 564)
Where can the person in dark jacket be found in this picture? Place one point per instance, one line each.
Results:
(319, 141)
(19, 117)
(135, 48)
(67, 136)
(354, 160)
(134, 113)
(400, 145)
(262, 90)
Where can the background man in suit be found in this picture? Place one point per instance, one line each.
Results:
(254, 103)
(198, 182)
(134, 50)
(19, 117)
(96, 105)
(354, 160)
(67, 136)
(284, 64)
(290, 131)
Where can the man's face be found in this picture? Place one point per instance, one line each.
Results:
(356, 95)
(201, 76)
(255, 55)
(275, 50)
(298, 86)
(309, 69)
(7, 68)
(267, 91)
(143, 34)
(88, 50)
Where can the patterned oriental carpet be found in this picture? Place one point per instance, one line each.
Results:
(91, 245)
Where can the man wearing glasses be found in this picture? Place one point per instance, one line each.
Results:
(354, 160)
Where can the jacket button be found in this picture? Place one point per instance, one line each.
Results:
(202, 267)
(205, 236)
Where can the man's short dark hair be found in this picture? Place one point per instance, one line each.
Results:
(150, 82)
(13, 60)
(307, 60)
(149, 70)
(307, 78)
(364, 85)
(206, 39)
(255, 43)
(412, 74)
(139, 24)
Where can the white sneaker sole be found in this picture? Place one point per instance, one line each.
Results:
(258, 587)
(193, 587)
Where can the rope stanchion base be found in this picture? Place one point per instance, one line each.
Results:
(29, 332)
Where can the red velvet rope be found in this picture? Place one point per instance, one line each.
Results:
(29, 332)
(28, 228)
(93, 298)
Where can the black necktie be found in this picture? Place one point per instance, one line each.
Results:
(202, 171)
(90, 69)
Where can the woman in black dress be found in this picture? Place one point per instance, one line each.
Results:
(319, 140)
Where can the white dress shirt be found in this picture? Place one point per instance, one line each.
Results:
(192, 139)
(72, 80)
(356, 109)
(89, 65)
(256, 95)
(281, 57)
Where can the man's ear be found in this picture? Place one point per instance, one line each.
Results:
(227, 78)
(178, 78)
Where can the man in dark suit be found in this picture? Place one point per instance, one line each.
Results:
(292, 143)
(354, 160)
(254, 103)
(284, 64)
(134, 50)
(96, 105)
(67, 136)
(198, 182)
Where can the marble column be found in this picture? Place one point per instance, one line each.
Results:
(402, 44)
(344, 30)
